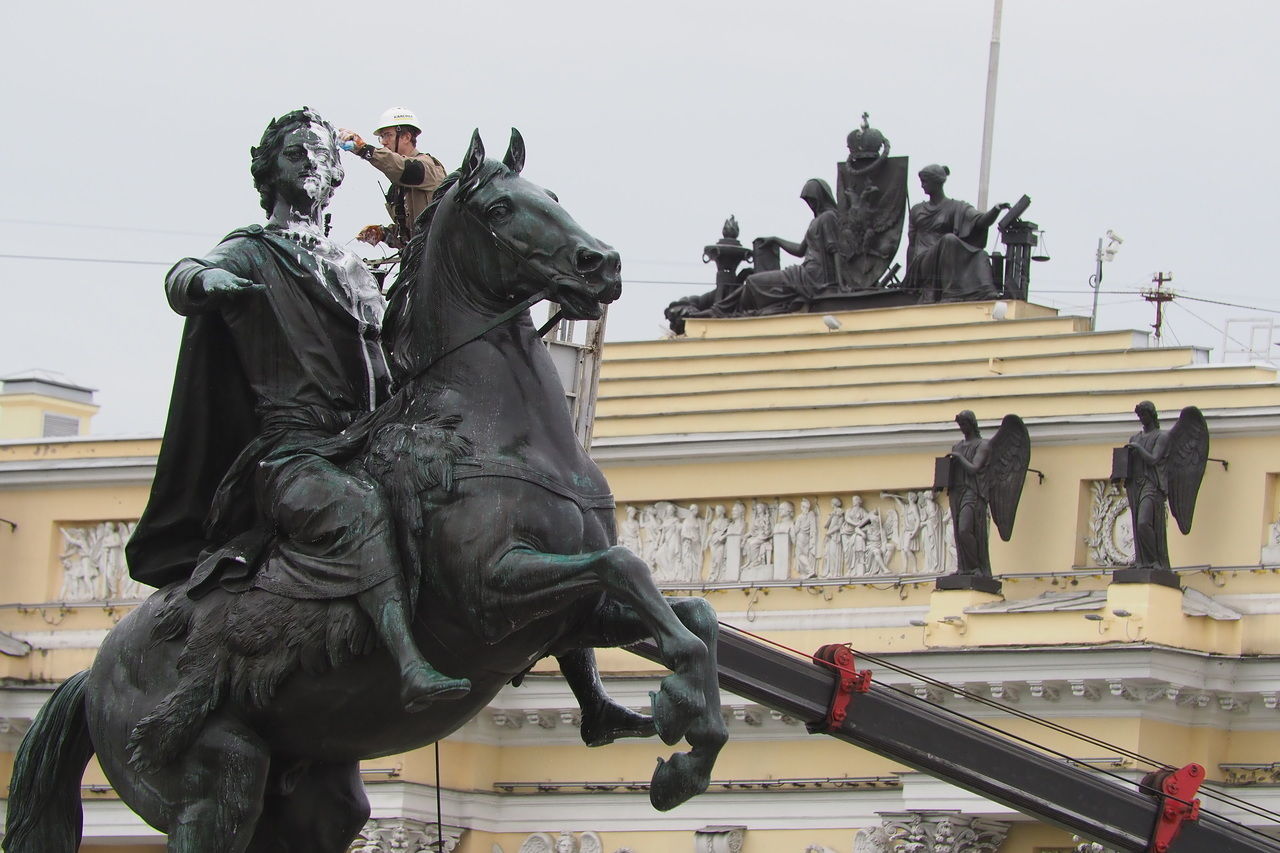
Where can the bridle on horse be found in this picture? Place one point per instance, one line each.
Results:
(522, 262)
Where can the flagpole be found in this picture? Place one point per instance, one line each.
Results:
(989, 119)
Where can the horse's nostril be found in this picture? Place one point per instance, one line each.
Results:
(587, 260)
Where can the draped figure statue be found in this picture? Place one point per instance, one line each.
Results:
(946, 245)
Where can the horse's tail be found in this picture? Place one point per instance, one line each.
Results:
(44, 794)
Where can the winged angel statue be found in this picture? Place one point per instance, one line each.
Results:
(1163, 466)
(985, 477)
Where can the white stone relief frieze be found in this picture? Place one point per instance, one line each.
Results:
(719, 839)
(1110, 536)
(941, 832)
(1271, 551)
(93, 563)
(563, 842)
(403, 835)
(774, 540)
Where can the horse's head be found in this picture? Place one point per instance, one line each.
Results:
(491, 243)
(512, 239)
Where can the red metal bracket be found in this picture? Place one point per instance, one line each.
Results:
(1178, 803)
(848, 681)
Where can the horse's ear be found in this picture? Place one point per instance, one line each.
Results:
(474, 157)
(514, 158)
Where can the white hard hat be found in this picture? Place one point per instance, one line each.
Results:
(396, 116)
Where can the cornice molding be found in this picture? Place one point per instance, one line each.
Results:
(897, 438)
(90, 471)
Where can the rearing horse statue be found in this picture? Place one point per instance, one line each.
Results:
(511, 535)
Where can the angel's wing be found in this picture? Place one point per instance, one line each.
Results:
(1006, 471)
(539, 842)
(1184, 464)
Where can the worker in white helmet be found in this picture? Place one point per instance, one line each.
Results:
(414, 174)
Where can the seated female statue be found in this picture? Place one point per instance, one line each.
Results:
(946, 245)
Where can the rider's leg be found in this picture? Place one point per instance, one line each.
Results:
(420, 682)
(603, 720)
(337, 540)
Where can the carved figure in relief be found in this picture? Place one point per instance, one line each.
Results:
(1165, 466)
(649, 525)
(907, 540)
(853, 535)
(931, 525)
(717, 539)
(950, 558)
(667, 557)
(690, 544)
(806, 539)
(759, 544)
(629, 531)
(80, 574)
(879, 550)
(833, 556)
(736, 542)
(783, 538)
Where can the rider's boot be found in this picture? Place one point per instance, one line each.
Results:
(420, 682)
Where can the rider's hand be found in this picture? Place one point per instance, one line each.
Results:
(220, 285)
(372, 234)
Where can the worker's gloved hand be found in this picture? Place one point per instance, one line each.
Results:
(220, 285)
(345, 136)
(372, 234)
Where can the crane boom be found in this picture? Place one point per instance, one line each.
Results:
(920, 735)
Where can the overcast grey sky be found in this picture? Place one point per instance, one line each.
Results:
(128, 124)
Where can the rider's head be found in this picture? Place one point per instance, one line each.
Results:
(265, 166)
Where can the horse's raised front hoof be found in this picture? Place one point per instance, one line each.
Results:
(675, 706)
(421, 685)
(676, 780)
(609, 721)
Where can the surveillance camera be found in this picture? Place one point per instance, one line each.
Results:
(1114, 237)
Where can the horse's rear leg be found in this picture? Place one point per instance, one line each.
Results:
(223, 778)
(686, 774)
(317, 808)
(530, 584)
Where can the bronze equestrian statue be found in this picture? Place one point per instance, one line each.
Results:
(388, 541)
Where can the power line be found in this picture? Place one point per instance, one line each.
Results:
(96, 227)
(87, 260)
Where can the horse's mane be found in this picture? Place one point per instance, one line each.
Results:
(397, 330)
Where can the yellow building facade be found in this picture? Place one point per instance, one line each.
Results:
(781, 468)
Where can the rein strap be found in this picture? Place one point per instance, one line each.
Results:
(512, 312)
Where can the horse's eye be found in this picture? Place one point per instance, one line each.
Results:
(498, 210)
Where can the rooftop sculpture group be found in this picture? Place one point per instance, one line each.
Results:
(849, 247)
